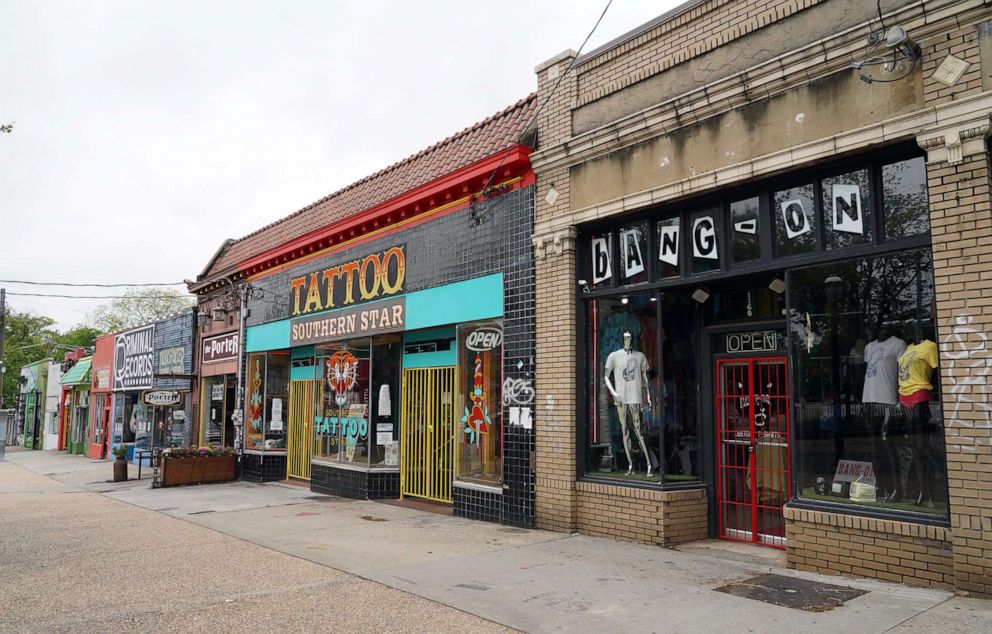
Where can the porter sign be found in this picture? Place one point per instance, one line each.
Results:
(134, 359)
(220, 348)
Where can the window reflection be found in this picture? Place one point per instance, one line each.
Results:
(868, 420)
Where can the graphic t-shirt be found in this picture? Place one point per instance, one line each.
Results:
(628, 368)
(916, 366)
(882, 371)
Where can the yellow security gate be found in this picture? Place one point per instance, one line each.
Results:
(427, 448)
(300, 438)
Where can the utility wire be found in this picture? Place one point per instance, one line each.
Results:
(87, 296)
(554, 89)
(80, 284)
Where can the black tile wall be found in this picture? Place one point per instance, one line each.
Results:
(493, 236)
(351, 483)
(258, 468)
(478, 505)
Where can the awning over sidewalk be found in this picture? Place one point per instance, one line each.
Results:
(80, 373)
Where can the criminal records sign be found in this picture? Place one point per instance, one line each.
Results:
(367, 320)
(134, 359)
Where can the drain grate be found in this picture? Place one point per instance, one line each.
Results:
(790, 592)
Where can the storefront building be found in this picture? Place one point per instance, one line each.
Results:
(151, 385)
(53, 393)
(76, 406)
(102, 399)
(218, 342)
(389, 340)
(31, 402)
(69, 360)
(773, 272)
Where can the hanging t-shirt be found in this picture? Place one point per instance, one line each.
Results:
(882, 371)
(628, 368)
(916, 366)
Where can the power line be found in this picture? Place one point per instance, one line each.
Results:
(91, 296)
(94, 284)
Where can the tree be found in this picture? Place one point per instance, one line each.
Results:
(7, 127)
(138, 306)
(78, 337)
(29, 338)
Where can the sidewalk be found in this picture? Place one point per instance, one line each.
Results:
(530, 580)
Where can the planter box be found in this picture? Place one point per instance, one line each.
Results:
(180, 471)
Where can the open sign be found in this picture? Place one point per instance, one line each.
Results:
(482, 339)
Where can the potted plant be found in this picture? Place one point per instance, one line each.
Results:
(120, 464)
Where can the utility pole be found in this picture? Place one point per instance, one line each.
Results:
(3, 330)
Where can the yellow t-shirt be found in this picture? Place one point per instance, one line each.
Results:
(916, 366)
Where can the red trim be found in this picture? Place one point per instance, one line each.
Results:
(513, 162)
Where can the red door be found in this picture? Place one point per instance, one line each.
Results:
(753, 478)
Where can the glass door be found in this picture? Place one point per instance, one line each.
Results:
(752, 418)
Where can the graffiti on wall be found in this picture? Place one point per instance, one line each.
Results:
(965, 352)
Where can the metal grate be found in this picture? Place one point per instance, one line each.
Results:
(300, 441)
(427, 447)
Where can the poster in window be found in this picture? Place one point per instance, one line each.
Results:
(795, 219)
(704, 238)
(847, 216)
(601, 269)
(633, 260)
(669, 248)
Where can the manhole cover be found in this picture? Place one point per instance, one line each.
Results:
(789, 592)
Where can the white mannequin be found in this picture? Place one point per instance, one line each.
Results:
(632, 381)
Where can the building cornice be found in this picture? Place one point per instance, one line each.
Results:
(775, 76)
(934, 128)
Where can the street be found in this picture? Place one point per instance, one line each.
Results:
(80, 554)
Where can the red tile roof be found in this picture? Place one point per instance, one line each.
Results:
(487, 137)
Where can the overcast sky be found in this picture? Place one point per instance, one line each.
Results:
(148, 132)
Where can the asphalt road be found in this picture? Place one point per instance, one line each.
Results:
(77, 561)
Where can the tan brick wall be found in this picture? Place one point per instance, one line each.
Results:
(555, 429)
(662, 518)
(703, 28)
(834, 543)
(962, 44)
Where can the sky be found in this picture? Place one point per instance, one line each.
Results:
(147, 133)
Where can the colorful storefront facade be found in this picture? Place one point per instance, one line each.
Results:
(76, 406)
(52, 416)
(389, 341)
(759, 287)
(31, 402)
(102, 400)
(151, 385)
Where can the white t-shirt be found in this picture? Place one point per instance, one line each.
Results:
(882, 371)
(628, 368)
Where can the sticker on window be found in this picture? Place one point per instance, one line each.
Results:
(601, 269)
(847, 216)
(704, 238)
(633, 261)
(669, 250)
(796, 221)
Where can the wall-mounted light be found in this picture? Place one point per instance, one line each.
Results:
(700, 295)
(624, 300)
(584, 285)
(776, 286)
(202, 318)
(218, 314)
(888, 49)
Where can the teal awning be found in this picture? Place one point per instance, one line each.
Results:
(80, 373)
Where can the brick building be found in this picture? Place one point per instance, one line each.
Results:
(388, 344)
(762, 259)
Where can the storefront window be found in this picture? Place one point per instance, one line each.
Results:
(342, 424)
(216, 401)
(847, 209)
(135, 420)
(387, 355)
(868, 423)
(795, 220)
(601, 260)
(746, 229)
(633, 253)
(704, 240)
(642, 389)
(904, 190)
(669, 247)
(480, 359)
(268, 392)
(82, 413)
(98, 405)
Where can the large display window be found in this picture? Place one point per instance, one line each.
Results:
(480, 441)
(868, 421)
(642, 416)
(357, 413)
(267, 396)
(217, 411)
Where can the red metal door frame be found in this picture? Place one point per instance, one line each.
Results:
(753, 420)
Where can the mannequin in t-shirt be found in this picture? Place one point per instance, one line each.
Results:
(916, 366)
(630, 379)
(881, 391)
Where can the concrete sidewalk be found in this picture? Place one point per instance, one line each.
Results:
(530, 580)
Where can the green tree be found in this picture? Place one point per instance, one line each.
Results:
(7, 127)
(139, 306)
(28, 338)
